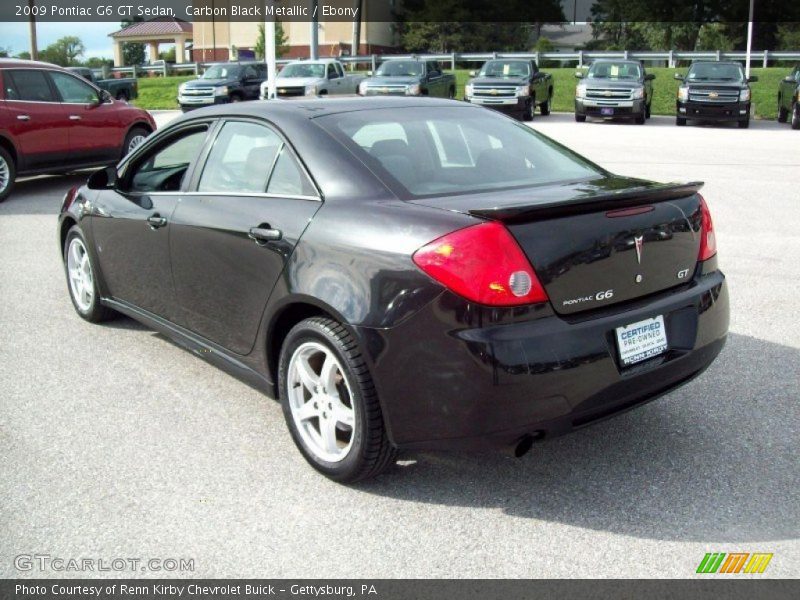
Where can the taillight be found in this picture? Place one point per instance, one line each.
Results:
(708, 241)
(484, 264)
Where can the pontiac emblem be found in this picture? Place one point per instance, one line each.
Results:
(713, 95)
(638, 242)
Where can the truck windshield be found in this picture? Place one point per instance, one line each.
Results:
(453, 150)
(221, 72)
(715, 72)
(400, 68)
(507, 69)
(615, 70)
(316, 70)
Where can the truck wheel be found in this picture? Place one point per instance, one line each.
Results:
(680, 121)
(783, 114)
(527, 114)
(8, 172)
(451, 93)
(122, 96)
(236, 98)
(580, 118)
(545, 108)
(641, 119)
(647, 111)
(744, 123)
(795, 116)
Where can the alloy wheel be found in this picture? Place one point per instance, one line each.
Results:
(81, 278)
(320, 401)
(5, 175)
(135, 142)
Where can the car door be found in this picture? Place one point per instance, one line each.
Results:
(37, 120)
(434, 77)
(251, 82)
(131, 223)
(334, 80)
(232, 237)
(95, 134)
(788, 88)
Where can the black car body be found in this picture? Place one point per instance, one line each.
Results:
(789, 98)
(614, 89)
(126, 89)
(714, 91)
(409, 77)
(512, 86)
(223, 83)
(479, 310)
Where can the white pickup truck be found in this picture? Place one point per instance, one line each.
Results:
(313, 78)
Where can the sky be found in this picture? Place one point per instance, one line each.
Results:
(14, 36)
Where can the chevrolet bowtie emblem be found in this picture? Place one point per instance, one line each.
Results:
(713, 95)
(493, 92)
(608, 92)
(638, 242)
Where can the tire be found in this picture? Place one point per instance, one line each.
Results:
(783, 114)
(451, 93)
(235, 98)
(640, 119)
(580, 118)
(359, 448)
(795, 116)
(545, 107)
(123, 96)
(82, 279)
(647, 114)
(744, 123)
(680, 121)
(134, 139)
(530, 108)
(8, 173)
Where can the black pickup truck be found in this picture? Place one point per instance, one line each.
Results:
(614, 89)
(409, 77)
(121, 89)
(223, 83)
(515, 86)
(714, 91)
(789, 98)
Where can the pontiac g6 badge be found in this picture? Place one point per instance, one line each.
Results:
(638, 241)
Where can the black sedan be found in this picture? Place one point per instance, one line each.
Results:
(402, 273)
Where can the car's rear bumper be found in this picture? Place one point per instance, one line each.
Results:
(705, 111)
(457, 376)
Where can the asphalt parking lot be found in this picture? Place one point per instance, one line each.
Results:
(118, 443)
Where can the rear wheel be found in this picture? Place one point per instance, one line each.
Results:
(783, 114)
(680, 121)
(134, 139)
(580, 118)
(8, 172)
(82, 280)
(330, 403)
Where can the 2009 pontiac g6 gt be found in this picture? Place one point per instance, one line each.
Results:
(402, 273)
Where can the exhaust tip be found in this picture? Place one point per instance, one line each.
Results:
(524, 445)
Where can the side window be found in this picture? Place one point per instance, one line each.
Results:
(250, 72)
(332, 73)
(73, 90)
(241, 159)
(340, 70)
(288, 178)
(262, 71)
(31, 86)
(534, 67)
(164, 168)
(433, 69)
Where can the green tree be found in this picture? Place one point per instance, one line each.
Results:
(65, 51)
(4, 53)
(24, 55)
(132, 53)
(281, 46)
(168, 56)
(788, 36)
(96, 62)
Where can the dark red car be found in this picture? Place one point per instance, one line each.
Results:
(52, 121)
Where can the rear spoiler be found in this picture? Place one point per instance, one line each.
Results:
(589, 203)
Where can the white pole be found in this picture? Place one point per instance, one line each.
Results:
(269, 53)
(749, 41)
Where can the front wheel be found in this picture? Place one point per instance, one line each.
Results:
(744, 123)
(330, 403)
(451, 93)
(530, 107)
(783, 114)
(8, 173)
(795, 116)
(647, 112)
(640, 119)
(680, 121)
(545, 108)
(580, 118)
(82, 279)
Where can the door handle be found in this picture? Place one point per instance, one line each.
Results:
(156, 221)
(263, 235)
(74, 118)
(23, 118)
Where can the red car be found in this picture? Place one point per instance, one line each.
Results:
(52, 121)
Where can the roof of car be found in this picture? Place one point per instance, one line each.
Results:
(320, 107)
(8, 63)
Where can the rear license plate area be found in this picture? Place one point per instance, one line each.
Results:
(641, 341)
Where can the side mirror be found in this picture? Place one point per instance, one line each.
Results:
(472, 73)
(104, 179)
(678, 76)
(369, 73)
(649, 77)
(104, 97)
(578, 75)
(752, 79)
(788, 80)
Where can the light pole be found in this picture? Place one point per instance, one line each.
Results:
(32, 25)
(749, 40)
(269, 50)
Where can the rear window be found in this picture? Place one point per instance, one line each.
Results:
(28, 85)
(443, 150)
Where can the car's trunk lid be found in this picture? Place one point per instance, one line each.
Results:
(600, 242)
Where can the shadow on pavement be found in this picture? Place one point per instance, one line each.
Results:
(714, 461)
(40, 195)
